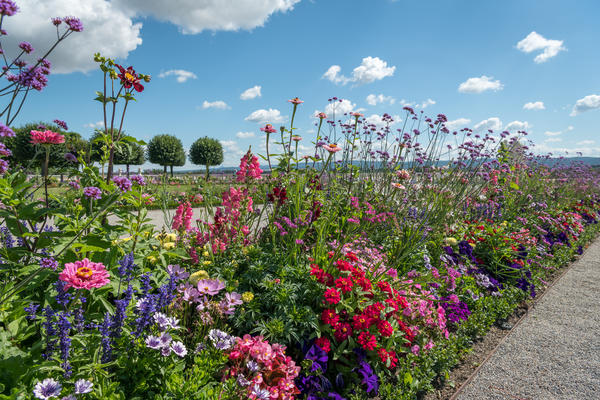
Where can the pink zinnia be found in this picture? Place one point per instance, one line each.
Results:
(296, 138)
(268, 128)
(321, 115)
(46, 137)
(84, 274)
(295, 100)
(332, 148)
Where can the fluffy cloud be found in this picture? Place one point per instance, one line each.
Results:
(479, 85)
(550, 133)
(95, 125)
(426, 103)
(213, 15)
(262, 116)
(251, 93)
(586, 142)
(218, 104)
(570, 128)
(339, 108)
(553, 140)
(458, 124)
(107, 29)
(245, 135)
(517, 126)
(374, 99)
(232, 152)
(370, 70)
(537, 105)
(493, 123)
(534, 41)
(588, 103)
(181, 74)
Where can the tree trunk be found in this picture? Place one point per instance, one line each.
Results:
(171, 171)
(207, 173)
(109, 170)
(127, 170)
(165, 169)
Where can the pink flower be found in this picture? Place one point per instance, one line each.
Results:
(332, 148)
(357, 114)
(183, 216)
(268, 128)
(296, 138)
(398, 185)
(403, 174)
(296, 101)
(249, 171)
(84, 274)
(46, 137)
(321, 115)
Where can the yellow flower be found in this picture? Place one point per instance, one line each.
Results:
(247, 297)
(206, 254)
(171, 237)
(152, 259)
(197, 276)
(472, 244)
(450, 241)
(207, 262)
(168, 245)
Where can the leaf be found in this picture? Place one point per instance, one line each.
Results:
(408, 378)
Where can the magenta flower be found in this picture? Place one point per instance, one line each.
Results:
(46, 137)
(84, 274)
(122, 183)
(26, 47)
(56, 21)
(62, 124)
(92, 192)
(74, 24)
(210, 287)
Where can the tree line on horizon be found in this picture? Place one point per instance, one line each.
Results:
(163, 149)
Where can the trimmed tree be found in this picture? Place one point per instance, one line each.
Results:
(166, 150)
(129, 153)
(208, 152)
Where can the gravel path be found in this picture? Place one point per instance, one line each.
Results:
(555, 352)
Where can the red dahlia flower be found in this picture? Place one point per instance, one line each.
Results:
(129, 78)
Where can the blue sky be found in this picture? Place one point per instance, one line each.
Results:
(505, 54)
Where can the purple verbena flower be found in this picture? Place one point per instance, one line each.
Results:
(122, 183)
(74, 24)
(139, 179)
(26, 47)
(92, 192)
(5, 131)
(62, 124)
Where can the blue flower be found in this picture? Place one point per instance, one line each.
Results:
(47, 389)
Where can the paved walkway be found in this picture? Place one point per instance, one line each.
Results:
(555, 352)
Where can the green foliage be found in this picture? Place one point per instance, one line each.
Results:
(206, 151)
(166, 150)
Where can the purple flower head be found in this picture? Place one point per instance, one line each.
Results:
(26, 47)
(49, 262)
(260, 394)
(179, 349)
(56, 21)
(3, 166)
(153, 342)
(210, 287)
(32, 77)
(47, 389)
(139, 179)
(127, 266)
(70, 157)
(252, 366)
(92, 192)
(165, 351)
(221, 340)
(62, 124)
(319, 358)
(165, 339)
(5, 131)
(8, 8)
(83, 386)
(74, 185)
(32, 311)
(4, 151)
(369, 378)
(74, 24)
(122, 183)
(177, 272)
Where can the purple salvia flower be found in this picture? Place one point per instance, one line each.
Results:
(62, 124)
(49, 331)
(106, 342)
(49, 262)
(32, 311)
(64, 328)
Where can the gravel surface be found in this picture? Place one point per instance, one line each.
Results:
(555, 352)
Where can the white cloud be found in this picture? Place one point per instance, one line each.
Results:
(570, 128)
(245, 135)
(181, 74)
(272, 116)
(479, 85)
(553, 140)
(95, 125)
(537, 105)
(377, 119)
(374, 99)
(587, 103)
(107, 29)
(193, 16)
(251, 93)
(517, 126)
(493, 123)
(457, 124)
(218, 104)
(534, 41)
(550, 133)
(339, 108)
(586, 142)
(232, 152)
(426, 103)
(370, 70)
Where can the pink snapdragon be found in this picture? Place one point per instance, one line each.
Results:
(183, 216)
(249, 168)
(84, 274)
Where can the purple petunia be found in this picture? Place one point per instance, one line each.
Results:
(47, 389)
(92, 192)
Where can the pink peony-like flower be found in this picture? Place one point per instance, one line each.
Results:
(46, 137)
(332, 148)
(296, 101)
(321, 115)
(84, 274)
(268, 128)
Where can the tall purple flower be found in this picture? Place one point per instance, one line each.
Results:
(49, 262)
(62, 124)
(32, 311)
(49, 332)
(127, 266)
(64, 329)
(122, 183)
(8, 8)
(5, 131)
(26, 47)
(92, 192)
(106, 342)
(74, 24)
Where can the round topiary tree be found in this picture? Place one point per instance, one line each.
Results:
(129, 153)
(165, 150)
(208, 152)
